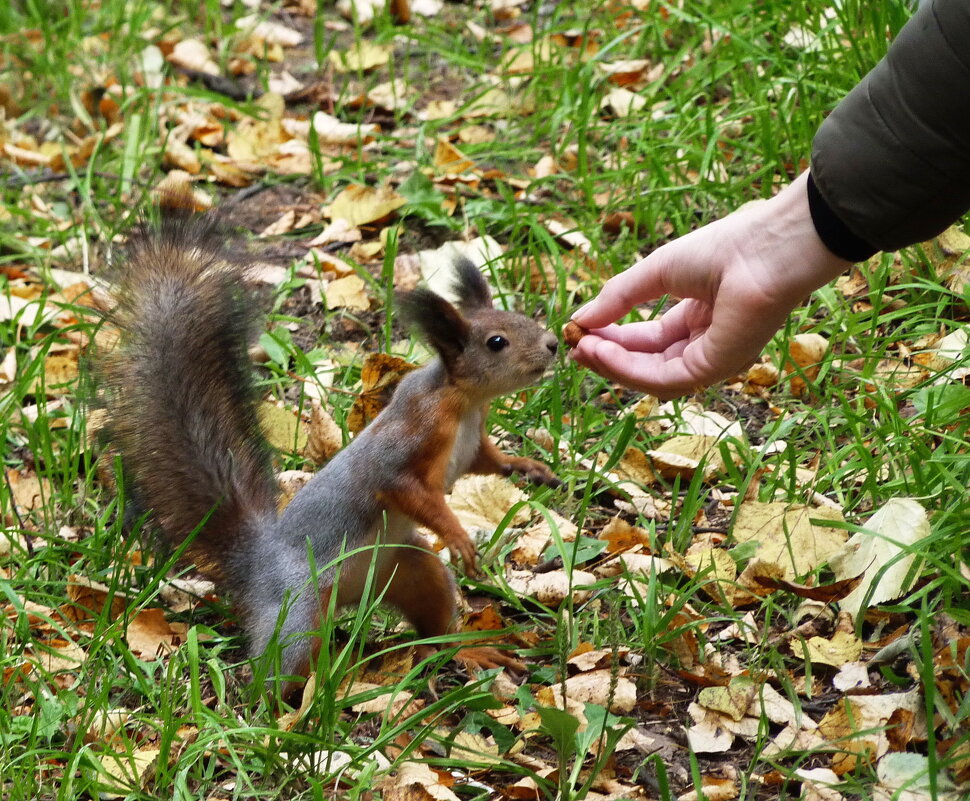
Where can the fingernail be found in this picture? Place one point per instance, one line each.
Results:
(579, 312)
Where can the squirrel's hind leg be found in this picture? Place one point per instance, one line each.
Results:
(423, 590)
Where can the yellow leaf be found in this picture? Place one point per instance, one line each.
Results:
(348, 293)
(787, 537)
(359, 204)
(362, 57)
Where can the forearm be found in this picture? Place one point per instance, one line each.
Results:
(892, 162)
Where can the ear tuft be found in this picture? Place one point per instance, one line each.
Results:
(470, 286)
(437, 322)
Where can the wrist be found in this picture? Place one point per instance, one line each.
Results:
(833, 232)
(810, 263)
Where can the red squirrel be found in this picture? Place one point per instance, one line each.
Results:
(183, 416)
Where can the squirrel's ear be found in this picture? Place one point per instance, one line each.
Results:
(436, 321)
(470, 286)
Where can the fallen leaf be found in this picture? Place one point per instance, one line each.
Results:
(601, 687)
(483, 502)
(193, 54)
(362, 57)
(906, 777)
(324, 437)
(551, 588)
(805, 352)
(415, 781)
(379, 376)
(150, 635)
(786, 536)
(856, 726)
(882, 551)
(349, 292)
(359, 205)
(269, 31)
(841, 649)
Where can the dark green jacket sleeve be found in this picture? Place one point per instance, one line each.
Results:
(892, 161)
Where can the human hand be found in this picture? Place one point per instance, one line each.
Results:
(739, 278)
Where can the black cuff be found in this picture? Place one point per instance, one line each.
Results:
(834, 233)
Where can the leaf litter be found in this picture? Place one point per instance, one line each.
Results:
(207, 145)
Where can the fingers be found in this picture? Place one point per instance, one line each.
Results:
(644, 281)
(660, 374)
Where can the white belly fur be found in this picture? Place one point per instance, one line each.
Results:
(467, 440)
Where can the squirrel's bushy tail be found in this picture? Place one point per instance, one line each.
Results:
(180, 394)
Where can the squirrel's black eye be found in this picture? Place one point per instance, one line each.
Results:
(496, 343)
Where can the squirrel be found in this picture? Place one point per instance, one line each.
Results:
(182, 407)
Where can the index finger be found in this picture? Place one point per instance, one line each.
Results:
(644, 281)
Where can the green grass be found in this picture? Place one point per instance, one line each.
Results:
(730, 119)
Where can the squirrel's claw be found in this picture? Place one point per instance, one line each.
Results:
(534, 471)
(463, 547)
(484, 658)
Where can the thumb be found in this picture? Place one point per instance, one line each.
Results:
(645, 280)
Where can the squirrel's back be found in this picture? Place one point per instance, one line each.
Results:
(181, 399)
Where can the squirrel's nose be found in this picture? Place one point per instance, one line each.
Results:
(551, 343)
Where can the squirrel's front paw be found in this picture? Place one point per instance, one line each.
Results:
(536, 472)
(464, 547)
(485, 658)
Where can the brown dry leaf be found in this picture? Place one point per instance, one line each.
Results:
(596, 659)
(600, 687)
(349, 292)
(857, 725)
(756, 579)
(806, 351)
(324, 437)
(950, 254)
(635, 73)
(621, 536)
(415, 781)
(150, 635)
(178, 154)
(392, 95)
(568, 233)
(787, 537)
(827, 593)
(282, 428)
(896, 375)
(531, 543)
(388, 703)
(359, 205)
(762, 374)
(439, 110)
(717, 567)
(103, 724)
(87, 599)
(254, 140)
(482, 502)
(449, 159)
(363, 11)
(362, 57)
(29, 491)
(379, 376)
(551, 588)
(713, 788)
